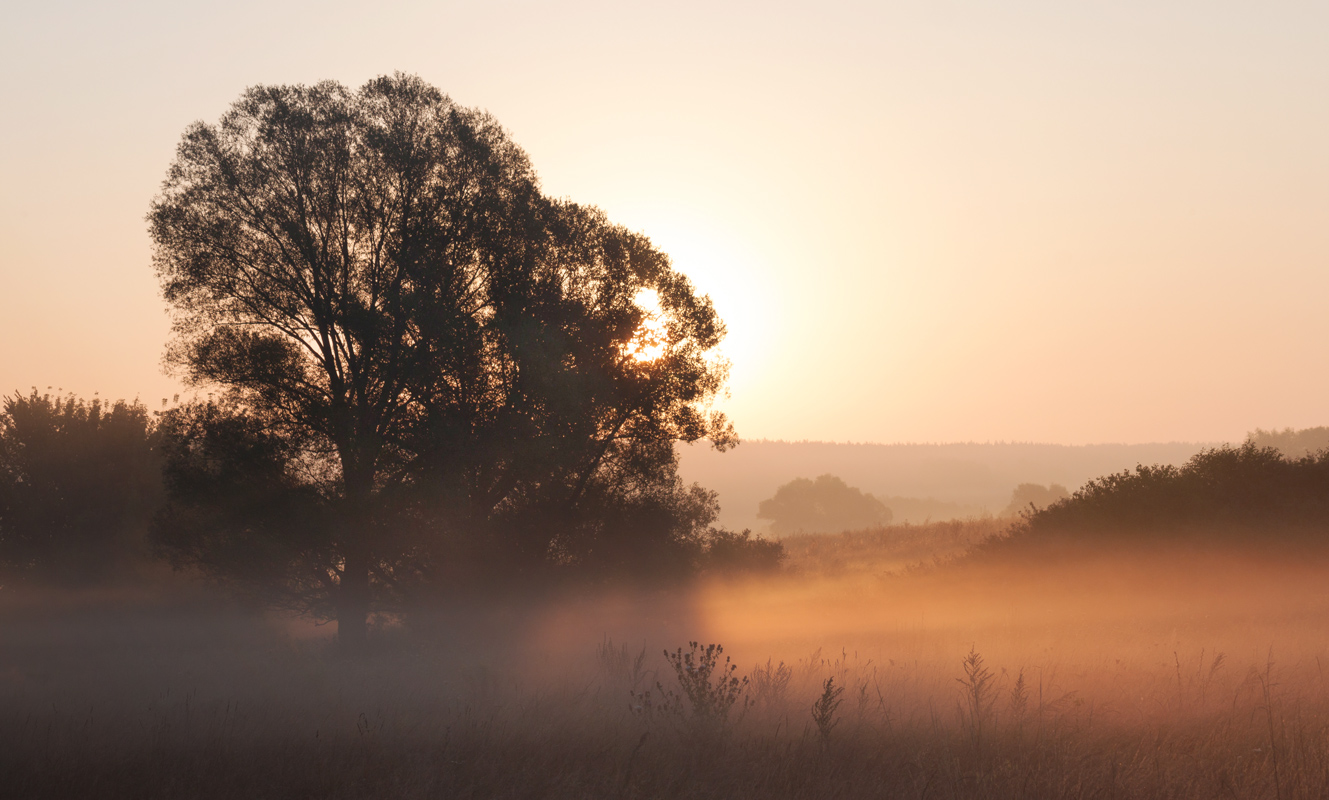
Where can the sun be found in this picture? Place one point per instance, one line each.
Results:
(652, 336)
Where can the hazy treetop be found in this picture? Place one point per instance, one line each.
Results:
(823, 505)
(1292, 443)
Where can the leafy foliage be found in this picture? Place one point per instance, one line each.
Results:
(729, 553)
(247, 504)
(1242, 493)
(375, 277)
(79, 482)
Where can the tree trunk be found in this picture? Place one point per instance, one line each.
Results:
(353, 602)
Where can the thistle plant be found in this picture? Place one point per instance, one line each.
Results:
(709, 687)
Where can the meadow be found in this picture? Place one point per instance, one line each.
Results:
(1165, 673)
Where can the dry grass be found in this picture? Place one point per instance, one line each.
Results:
(1196, 679)
(887, 549)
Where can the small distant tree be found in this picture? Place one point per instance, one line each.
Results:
(821, 505)
(1031, 497)
(79, 482)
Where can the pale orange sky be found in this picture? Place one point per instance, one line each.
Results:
(922, 221)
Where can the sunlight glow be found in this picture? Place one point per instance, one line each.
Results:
(651, 338)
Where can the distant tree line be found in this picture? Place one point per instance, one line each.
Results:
(1290, 442)
(829, 505)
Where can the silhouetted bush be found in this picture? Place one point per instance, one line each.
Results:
(79, 482)
(730, 552)
(1245, 493)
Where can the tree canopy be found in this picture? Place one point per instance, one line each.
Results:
(79, 482)
(450, 361)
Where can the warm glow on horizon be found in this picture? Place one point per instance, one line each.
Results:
(920, 222)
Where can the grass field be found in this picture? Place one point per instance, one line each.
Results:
(1173, 675)
(890, 548)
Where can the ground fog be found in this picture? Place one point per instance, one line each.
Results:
(1167, 674)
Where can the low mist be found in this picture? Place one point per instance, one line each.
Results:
(1153, 670)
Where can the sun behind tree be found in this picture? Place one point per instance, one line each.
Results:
(430, 358)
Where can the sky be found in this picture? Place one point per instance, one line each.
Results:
(922, 221)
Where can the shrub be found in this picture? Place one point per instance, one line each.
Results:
(79, 482)
(710, 688)
(1246, 493)
(728, 552)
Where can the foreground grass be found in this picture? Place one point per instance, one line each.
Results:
(1014, 686)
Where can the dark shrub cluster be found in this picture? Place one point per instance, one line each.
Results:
(1247, 493)
(730, 552)
(79, 483)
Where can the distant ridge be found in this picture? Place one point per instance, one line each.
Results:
(924, 480)
(1001, 442)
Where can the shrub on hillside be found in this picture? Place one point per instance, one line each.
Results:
(1239, 493)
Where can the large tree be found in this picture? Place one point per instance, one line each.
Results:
(376, 276)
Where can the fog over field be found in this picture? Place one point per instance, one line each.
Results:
(1159, 676)
(961, 479)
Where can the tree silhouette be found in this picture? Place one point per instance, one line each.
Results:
(79, 482)
(375, 279)
(826, 504)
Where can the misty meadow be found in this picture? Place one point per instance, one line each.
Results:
(447, 493)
